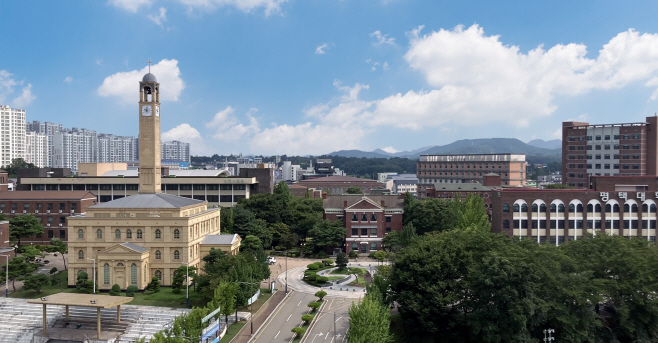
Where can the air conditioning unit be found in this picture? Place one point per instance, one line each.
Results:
(60, 211)
(72, 211)
(0, 211)
(60, 224)
(24, 211)
(47, 211)
(48, 224)
(36, 211)
(12, 211)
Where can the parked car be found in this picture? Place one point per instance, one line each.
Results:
(271, 259)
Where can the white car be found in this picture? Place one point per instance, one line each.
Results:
(271, 259)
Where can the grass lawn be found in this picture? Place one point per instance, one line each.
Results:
(350, 270)
(232, 330)
(46, 290)
(166, 298)
(361, 282)
(264, 295)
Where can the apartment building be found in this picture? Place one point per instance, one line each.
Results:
(608, 150)
(36, 149)
(12, 134)
(176, 150)
(469, 168)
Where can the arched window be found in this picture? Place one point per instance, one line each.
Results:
(373, 218)
(627, 208)
(572, 208)
(597, 208)
(524, 208)
(608, 208)
(590, 208)
(81, 255)
(505, 224)
(99, 233)
(553, 208)
(117, 234)
(145, 275)
(119, 264)
(158, 234)
(139, 233)
(133, 274)
(560, 208)
(158, 274)
(364, 218)
(176, 233)
(176, 255)
(129, 233)
(535, 208)
(506, 208)
(634, 208)
(652, 208)
(158, 255)
(516, 207)
(542, 208)
(579, 208)
(81, 234)
(106, 274)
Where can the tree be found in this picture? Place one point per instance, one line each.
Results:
(354, 190)
(81, 282)
(409, 202)
(180, 276)
(341, 261)
(321, 294)
(130, 291)
(24, 226)
(225, 297)
(369, 321)
(407, 235)
(36, 282)
(299, 331)
(381, 255)
(154, 285)
(289, 240)
(116, 290)
(16, 164)
(558, 186)
(326, 234)
(226, 219)
(314, 305)
(57, 245)
(433, 215)
(251, 242)
(18, 269)
(278, 230)
(472, 215)
(307, 318)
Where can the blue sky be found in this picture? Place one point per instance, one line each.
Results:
(310, 77)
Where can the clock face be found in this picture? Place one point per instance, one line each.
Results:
(146, 110)
(157, 111)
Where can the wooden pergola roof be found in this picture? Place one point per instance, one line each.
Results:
(84, 300)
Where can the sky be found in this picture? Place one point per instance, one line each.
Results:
(308, 77)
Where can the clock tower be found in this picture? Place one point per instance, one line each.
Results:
(149, 135)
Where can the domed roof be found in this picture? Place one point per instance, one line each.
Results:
(149, 78)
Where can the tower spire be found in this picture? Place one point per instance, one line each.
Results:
(149, 63)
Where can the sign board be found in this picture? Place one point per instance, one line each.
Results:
(210, 315)
(211, 326)
(254, 298)
(272, 286)
(212, 335)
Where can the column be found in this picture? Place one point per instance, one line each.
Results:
(67, 311)
(44, 319)
(118, 313)
(98, 321)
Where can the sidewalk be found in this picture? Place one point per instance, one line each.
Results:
(259, 318)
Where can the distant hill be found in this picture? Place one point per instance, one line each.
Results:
(464, 146)
(552, 144)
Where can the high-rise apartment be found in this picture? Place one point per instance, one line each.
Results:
(12, 134)
(36, 149)
(176, 150)
(469, 168)
(608, 150)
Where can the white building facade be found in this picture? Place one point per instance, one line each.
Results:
(12, 134)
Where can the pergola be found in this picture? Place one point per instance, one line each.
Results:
(84, 300)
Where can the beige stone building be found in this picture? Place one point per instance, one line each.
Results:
(150, 234)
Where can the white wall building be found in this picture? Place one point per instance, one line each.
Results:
(36, 149)
(12, 134)
(176, 150)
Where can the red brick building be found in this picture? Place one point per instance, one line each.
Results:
(4, 242)
(4, 181)
(367, 218)
(608, 150)
(51, 207)
(618, 205)
(339, 184)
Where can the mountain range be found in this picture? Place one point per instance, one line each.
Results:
(536, 147)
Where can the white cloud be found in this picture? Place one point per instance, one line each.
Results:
(320, 49)
(124, 84)
(25, 98)
(390, 150)
(385, 66)
(68, 79)
(186, 133)
(382, 39)
(228, 128)
(159, 17)
(99, 61)
(130, 5)
(247, 6)
(7, 89)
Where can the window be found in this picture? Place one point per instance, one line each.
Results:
(636, 136)
(589, 138)
(607, 137)
(636, 146)
(355, 232)
(176, 233)
(139, 233)
(616, 137)
(354, 217)
(158, 255)
(62, 234)
(117, 234)
(373, 246)
(158, 274)
(516, 207)
(636, 166)
(606, 147)
(364, 218)
(129, 233)
(388, 219)
(99, 233)
(373, 218)
(176, 255)
(524, 208)
(158, 234)
(597, 147)
(81, 255)
(133, 274)
(506, 208)
(598, 137)
(535, 208)
(355, 246)
(606, 166)
(505, 224)
(51, 234)
(373, 232)
(560, 208)
(81, 234)
(106, 274)
(388, 229)
(542, 208)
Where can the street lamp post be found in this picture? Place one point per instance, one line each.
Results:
(251, 307)
(94, 271)
(187, 281)
(7, 270)
(286, 252)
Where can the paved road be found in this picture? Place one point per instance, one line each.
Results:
(289, 315)
(323, 328)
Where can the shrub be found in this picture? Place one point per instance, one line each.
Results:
(298, 331)
(279, 248)
(322, 279)
(353, 254)
(116, 290)
(371, 255)
(312, 266)
(328, 262)
(154, 285)
(322, 254)
(307, 318)
(320, 294)
(312, 277)
(53, 270)
(130, 291)
(314, 305)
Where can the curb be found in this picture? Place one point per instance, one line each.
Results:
(310, 326)
(250, 319)
(268, 317)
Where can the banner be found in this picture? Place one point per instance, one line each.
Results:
(206, 318)
(254, 298)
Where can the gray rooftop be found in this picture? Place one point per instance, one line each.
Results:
(160, 200)
(135, 247)
(460, 187)
(149, 78)
(338, 201)
(220, 239)
(175, 172)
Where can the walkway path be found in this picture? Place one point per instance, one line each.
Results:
(259, 318)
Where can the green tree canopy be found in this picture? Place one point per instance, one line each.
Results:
(326, 234)
(354, 190)
(24, 226)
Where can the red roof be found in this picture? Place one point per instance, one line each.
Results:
(45, 195)
(338, 178)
